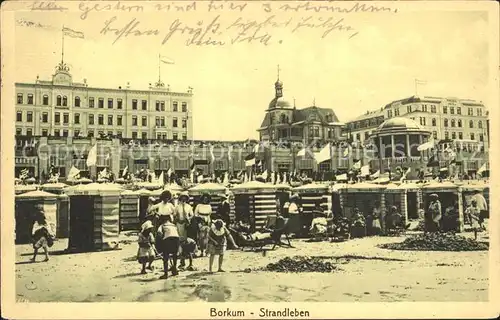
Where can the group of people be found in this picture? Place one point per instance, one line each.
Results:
(172, 229)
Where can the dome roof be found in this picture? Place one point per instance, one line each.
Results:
(400, 123)
(279, 103)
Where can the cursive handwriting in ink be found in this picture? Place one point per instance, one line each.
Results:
(177, 7)
(129, 29)
(46, 6)
(216, 5)
(357, 7)
(327, 25)
(199, 35)
(252, 31)
(118, 6)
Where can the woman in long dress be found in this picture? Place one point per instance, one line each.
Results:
(294, 211)
(183, 215)
(204, 209)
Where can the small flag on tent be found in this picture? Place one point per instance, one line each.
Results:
(226, 178)
(229, 152)
(92, 157)
(250, 160)
(482, 169)
(23, 174)
(73, 173)
(365, 170)
(357, 165)
(124, 174)
(346, 152)
(403, 176)
(161, 179)
(240, 174)
(324, 154)
(264, 175)
(427, 145)
(169, 172)
(108, 156)
(212, 153)
(375, 175)
(301, 153)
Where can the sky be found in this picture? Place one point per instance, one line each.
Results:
(233, 84)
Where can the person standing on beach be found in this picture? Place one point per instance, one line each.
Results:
(183, 215)
(217, 243)
(43, 237)
(168, 244)
(146, 253)
(433, 216)
(164, 207)
(474, 213)
(204, 209)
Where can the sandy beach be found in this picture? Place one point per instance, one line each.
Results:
(365, 273)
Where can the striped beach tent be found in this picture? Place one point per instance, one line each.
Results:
(314, 194)
(94, 217)
(129, 210)
(62, 207)
(215, 190)
(255, 201)
(405, 197)
(449, 194)
(27, 206)
(363, 196)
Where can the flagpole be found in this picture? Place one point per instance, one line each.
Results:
(416, 91)
(159, 68)
(62, 50)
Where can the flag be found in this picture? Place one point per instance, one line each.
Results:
(240, 174)
(108, 156)
(103, 174)
(169, 172)
(250, 159)
(375, 175)
(161, 178)
(226, 178)
(92, 157)
(212, 153)
(229, 152)
(365, 170)
(166, 60)
(341, 177)
(23, 174)
(246, 178)
(427, 145)
(73, 173)
(301, 153)
(256, 148)
(264, 175)
(324, 154)
(420, 81)
(278, 178)
(124, 174)
(346, 152)
(357, 165)
(273, 177)
(403, 176)
(72, 33)
(199, 178)
(482, 169)
(285, 178)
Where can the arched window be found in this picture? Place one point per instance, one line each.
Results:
(45, 100)
(471, 124)
(433, 122)
(77, 101)
(445, 122)
(453, 122)
(460, 123)
(65, 101)
(59, 101)
(480, 124)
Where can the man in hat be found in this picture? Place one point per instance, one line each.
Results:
(433, 216)
(183, 214)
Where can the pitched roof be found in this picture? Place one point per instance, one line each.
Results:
(302, 115)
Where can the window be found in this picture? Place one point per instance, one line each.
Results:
(110, 120)
(433, 109)
(91, 102)
(367, 135)
(184, 136)
(101, 103)
(76, 133)
(29, 132)
(57, 117)
(174, 136)
(162, 121)
(110, 103)
(423, 121)
(314, 132)
(453, 123)
(45, 100)
(134, 120)
(453, 135)
(119, 134)
(134, 105)
(91, 119)
(58, 101)
(445, 122)
(174, 123)
(446, 135)
(460, 123)
(65, 133)
(389, 113)
(20, 98)
(472, 136)
(90, 133)
(45, 132)
(65, 101)
(481, 137)
(424, 108)
(445, 110)
(100, 119)
(433, 122)
(144, 121)
(459, 110)
(157, 121)
(144, 135)
(470, 112)
(19, 116)
(435, 134)
(184, 107)
(29, 116)
(408, 109)
(19, 131)
(162, 105)
(157, 105)
(66, 118)
(480, 124)
(77, 118)
(460, 135)
(119, 120)
(77, 101)
(57, 133)
(134, 135)
(184, 123)
(174, 106)
(479, 112)
(45, 117)
(144, 105)
(158, 136)
(471, 124)
(119, 103)
(452, 110)
(30, 98)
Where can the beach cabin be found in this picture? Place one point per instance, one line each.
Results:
(406, 197)
(450, 195)
(215, 190)
(27, 208)
(470, 188)
(143, 202)
(313, 195)
(62, 207)
(255, 201)
(94, 217)
(363, 196)
(129, 210)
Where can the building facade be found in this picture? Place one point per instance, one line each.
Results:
(285, 122)
(62, 108)
(461, 120)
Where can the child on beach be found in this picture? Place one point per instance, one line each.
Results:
(43, 238)
(147, 251)
(187, 250)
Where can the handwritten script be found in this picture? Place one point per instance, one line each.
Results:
(224, 22)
